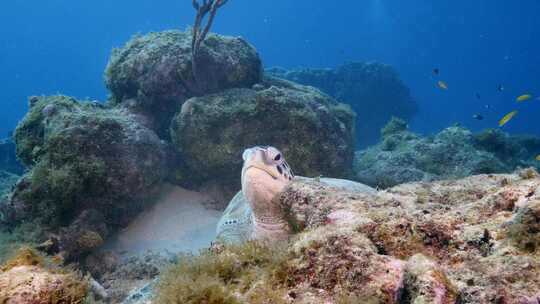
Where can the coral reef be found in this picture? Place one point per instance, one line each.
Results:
(29, 278)
(152, 74)
(91, 169)
(313, 130)
(8, 158)
(455, 152)
(372, 89)
(472, 240)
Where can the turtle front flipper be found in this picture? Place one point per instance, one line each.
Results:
(235, 226)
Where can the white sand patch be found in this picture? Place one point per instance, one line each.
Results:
(178, 222)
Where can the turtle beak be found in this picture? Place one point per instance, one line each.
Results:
(255, 158)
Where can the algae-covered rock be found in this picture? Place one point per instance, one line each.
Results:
(374, 91)
(516, 150)
(394, 126)
(416, 221)
(437, 242)
(83, 156)
(455, 152)
(428, 283)
(314, 131)
(153, 73)
(27, 278)
(524, 229)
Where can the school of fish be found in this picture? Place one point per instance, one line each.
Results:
(506, 118)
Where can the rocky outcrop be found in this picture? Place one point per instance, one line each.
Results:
(90, 168)
(152, 74)
(373, 90)
(455, 152)
(472, 240)
(313, 130)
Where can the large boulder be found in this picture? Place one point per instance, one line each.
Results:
(313, 130)
(374, 91)
(90, 167)
(153, 75)
(455, 152)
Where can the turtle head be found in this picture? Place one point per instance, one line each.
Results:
(264, 175)
(269, 160)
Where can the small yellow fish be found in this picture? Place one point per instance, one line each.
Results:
(507, 118)
(442, 85)
(538, 158)
(524, 97)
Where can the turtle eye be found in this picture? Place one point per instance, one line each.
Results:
(278, 157)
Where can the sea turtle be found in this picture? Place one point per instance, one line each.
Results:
(252, 213)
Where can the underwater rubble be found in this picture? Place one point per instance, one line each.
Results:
(455, 152)
(473, 240)
(374, 91)
(120, 275)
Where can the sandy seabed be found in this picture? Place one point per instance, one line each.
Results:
(177, 222)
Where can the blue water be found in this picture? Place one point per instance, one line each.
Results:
(63, 46)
